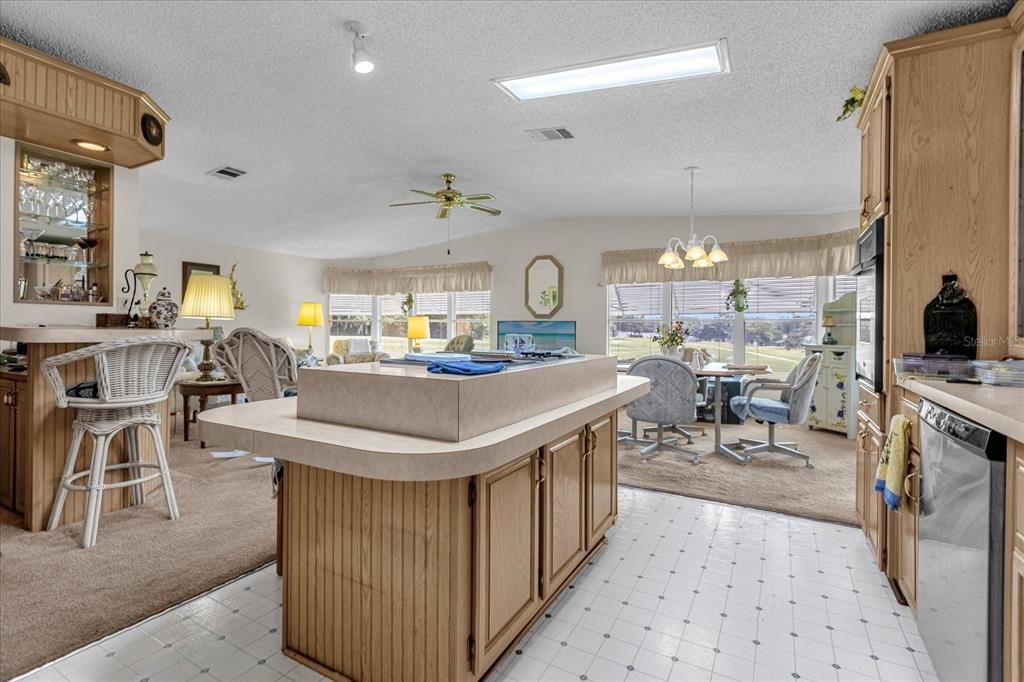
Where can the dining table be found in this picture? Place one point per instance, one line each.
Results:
(722, 370)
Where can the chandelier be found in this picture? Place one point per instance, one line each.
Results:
(693, 250)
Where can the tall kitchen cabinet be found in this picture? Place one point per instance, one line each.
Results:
(935, 158)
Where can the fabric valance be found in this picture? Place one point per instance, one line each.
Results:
(826, 254)
(426, 279)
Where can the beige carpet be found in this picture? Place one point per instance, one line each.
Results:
(774, 482)
(56, 597)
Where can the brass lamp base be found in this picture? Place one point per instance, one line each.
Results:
(206, 366)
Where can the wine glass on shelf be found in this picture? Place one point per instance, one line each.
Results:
(28, 234)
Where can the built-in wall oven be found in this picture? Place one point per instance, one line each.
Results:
(870, 290)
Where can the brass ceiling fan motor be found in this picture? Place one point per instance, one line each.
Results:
(449, 198)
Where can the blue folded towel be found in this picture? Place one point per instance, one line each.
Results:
(467, 368)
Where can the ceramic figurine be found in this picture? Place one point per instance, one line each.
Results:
(163, 312)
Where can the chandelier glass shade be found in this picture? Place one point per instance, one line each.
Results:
(693, 250)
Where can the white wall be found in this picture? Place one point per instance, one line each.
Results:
(578, 242)
(273, 284)
(125, 248)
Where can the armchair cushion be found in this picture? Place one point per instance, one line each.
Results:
(460, 344)
(345, 353)
(767, 409)
(84, 389)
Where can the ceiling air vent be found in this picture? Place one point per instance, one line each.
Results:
(550, 134)
(227, 172)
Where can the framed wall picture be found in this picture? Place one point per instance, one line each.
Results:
(187, 268)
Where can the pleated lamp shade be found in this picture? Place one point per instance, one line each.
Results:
(208, 296)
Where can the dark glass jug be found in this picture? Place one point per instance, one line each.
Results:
(951, 321)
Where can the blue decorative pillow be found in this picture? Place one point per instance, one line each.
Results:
(85, 389)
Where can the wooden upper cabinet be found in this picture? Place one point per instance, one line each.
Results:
(564, 476)
(602, 478)
(874, 148)
(52, 103)
(506, 560)
(1015, 344)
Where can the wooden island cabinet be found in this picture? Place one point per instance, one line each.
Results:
(408, 557)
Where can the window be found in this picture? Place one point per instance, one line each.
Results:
(473, 316)
(701, 308)
(435, 307)
(393, 325)
(781, 317)
(351, 316)
(380, 319)
(634, 315)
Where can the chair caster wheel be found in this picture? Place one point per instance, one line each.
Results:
(809, 465)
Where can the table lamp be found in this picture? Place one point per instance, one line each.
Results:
(208, 297)
(311, 315)
(828, 339)
(418, 328)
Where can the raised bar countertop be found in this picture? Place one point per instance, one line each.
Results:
(271, 428)
(83, 334)
(1000, 408)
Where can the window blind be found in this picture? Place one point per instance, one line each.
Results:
(694, 298)
(791, 295)
(635, 300)
(350, 304)
(472, 302)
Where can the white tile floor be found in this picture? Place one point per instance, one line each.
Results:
(685, 590)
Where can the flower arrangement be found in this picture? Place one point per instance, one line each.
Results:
(673, 336)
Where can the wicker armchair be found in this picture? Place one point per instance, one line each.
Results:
(265, 366)
(341, 354)
(132, 377)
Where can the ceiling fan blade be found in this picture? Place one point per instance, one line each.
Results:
(485, 209)
(413, 203)
(420, 191)
(478, 197)
(443, 212)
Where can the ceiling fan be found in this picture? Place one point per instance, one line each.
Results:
(449, 198)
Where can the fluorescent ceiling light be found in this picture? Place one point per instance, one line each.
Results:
(652, 67)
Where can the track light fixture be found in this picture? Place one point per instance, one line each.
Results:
(361, 61)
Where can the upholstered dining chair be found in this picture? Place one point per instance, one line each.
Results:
(793, 406)
(672, 400)
(265, 366)
(133, 376)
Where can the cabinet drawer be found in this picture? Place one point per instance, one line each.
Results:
(834, 358)
(869, 404)
(909, 410)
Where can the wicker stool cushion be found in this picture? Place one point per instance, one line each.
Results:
(85, 389)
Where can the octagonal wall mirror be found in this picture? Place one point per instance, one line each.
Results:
(544, 286)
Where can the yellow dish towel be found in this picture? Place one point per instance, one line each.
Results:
(892, 464)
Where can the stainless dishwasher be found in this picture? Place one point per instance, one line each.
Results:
(960, 545)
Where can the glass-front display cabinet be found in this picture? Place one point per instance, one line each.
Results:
(63, 210)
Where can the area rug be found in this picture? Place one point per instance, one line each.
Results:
(56, 597)
(773, 482)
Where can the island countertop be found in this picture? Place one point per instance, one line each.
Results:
(271, 428)
(84, 334)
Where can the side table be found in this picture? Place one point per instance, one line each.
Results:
(205, 389)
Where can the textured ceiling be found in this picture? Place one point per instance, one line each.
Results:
(267, 87)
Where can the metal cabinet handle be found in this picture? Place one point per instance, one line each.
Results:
(906, 486)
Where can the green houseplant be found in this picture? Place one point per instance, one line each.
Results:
(852, 103)
(737, 298)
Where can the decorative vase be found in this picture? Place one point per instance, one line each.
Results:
(672, 352)
(163, 312)
(951, 321)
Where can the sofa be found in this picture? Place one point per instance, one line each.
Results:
(351, 351)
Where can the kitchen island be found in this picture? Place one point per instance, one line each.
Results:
(415, 557)
(38, 446)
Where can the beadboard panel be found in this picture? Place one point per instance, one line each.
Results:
(376, 576)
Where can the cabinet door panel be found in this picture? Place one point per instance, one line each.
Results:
(1016, 606)
(506, 555)
(564, 482)
(21, 449)
(602, 478)
(906, 534)
(7, 444)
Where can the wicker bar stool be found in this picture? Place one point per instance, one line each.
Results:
(133, 376)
